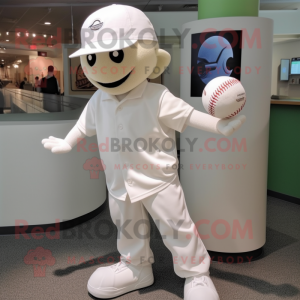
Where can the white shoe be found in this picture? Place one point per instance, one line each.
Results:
(118, 279)
(200, 288)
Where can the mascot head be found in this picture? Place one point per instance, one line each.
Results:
(119, 49)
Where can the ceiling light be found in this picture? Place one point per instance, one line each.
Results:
(8, 66)
(7, 33)
(47, 23)
(27, 34)
(4, 48)
(7, 40)
(2, 59)
(45, 35)
(33, 34)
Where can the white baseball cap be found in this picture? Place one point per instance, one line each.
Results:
(114, 27)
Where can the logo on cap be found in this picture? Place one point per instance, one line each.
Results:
(97, 24)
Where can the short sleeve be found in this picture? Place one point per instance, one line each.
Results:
(174, 112)
(87, 120)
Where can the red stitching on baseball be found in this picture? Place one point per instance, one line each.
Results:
(237, 111)
(218, 92)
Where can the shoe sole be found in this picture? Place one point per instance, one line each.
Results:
(112, 292)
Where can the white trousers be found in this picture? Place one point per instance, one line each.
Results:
(169, 212)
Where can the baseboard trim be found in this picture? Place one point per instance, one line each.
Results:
(11, 230)
(236, 258)
(284, 197)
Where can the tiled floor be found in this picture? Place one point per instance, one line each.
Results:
(79, 251)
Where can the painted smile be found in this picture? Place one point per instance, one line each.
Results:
(115, 83)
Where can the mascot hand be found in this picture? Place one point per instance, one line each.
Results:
(229, 126)
(56, 145)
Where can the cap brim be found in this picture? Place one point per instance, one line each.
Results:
(97, 48)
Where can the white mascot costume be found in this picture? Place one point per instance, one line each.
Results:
(119, 53)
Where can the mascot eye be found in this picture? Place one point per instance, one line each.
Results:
(116, 56)
(91, 59)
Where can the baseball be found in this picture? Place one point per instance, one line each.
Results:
(224, 97)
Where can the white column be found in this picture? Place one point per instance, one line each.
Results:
(224, 199)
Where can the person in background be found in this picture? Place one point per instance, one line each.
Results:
(22, 83)
(36, 83)
(49, 84)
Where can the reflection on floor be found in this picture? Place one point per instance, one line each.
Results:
(11, 86)
(77, 252)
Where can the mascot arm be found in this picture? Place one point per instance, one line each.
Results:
(206, 122)
(74, 136)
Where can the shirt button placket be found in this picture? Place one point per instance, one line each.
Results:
(120, 128)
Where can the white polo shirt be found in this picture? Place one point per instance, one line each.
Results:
(136, 138)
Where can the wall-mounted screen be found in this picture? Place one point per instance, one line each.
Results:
(214, 54)
(284, 70)
(295, 66)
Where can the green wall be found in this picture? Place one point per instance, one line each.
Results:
(227, 8)
(284, 150)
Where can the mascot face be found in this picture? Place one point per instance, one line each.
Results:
(120, 71)
(213, 58)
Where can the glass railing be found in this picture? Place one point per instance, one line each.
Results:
(33, 102)
(17, 101)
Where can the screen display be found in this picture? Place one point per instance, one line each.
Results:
(284, 69)
(295, 66)
(214, 54)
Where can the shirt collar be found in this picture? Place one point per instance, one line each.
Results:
(135, 93)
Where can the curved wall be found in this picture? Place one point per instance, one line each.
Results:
(38, 186)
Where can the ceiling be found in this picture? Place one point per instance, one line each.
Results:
(31, 15)
(279, 4)
(8, 59)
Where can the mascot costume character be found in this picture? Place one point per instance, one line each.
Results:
(119, 53)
